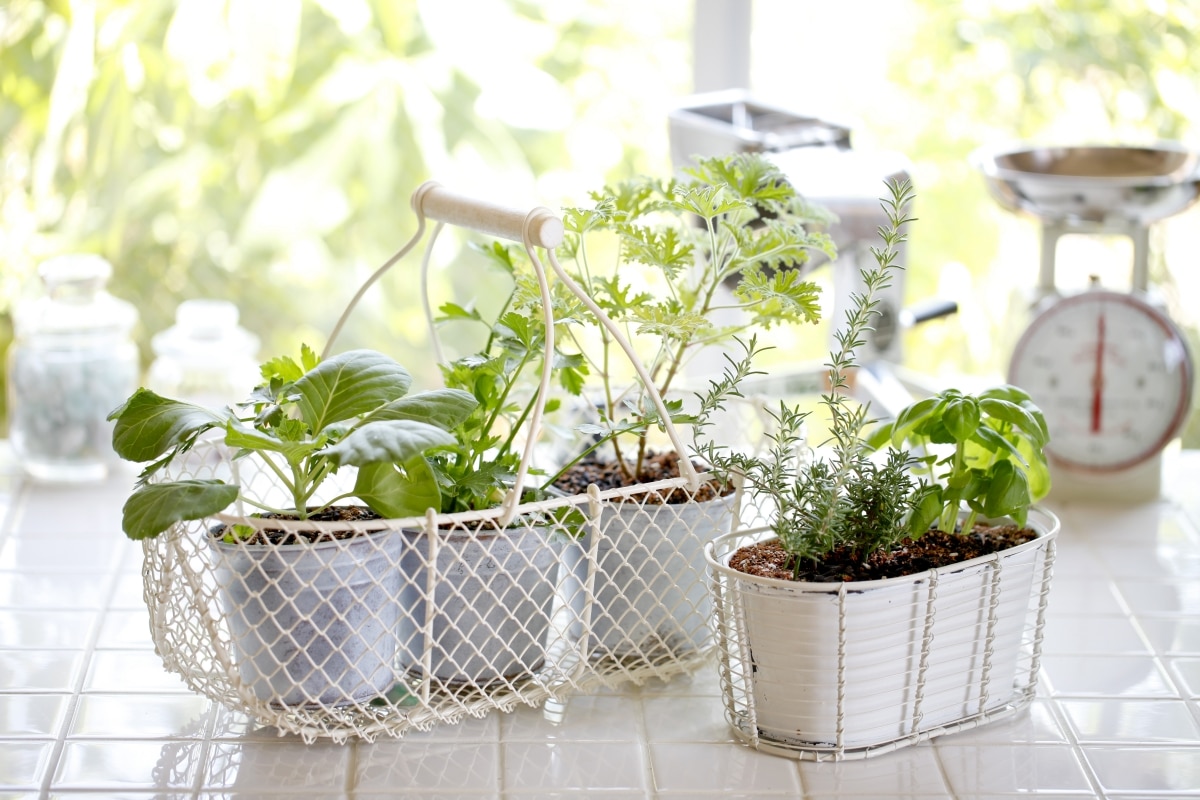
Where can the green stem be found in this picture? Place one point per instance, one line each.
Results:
(508, 386)
(270, 462)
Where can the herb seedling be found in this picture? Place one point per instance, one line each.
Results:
(304, 422)
(995, 466)
(478, 469)
(736, 221)
(847, 499)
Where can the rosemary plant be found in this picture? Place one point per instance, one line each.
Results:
(848, 499)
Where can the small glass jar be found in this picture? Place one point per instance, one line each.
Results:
(205, 357)
(72, 361)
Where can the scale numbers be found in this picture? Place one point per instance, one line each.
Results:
(1111, 373)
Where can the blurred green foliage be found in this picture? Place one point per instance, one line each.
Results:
(1057, 71)
(263, 151)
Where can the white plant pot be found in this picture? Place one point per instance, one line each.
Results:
(650, 590)
(312, 624)
(839, 669)
(492, 597)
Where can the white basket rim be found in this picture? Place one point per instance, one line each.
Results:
(1043, 521)
(422, 522)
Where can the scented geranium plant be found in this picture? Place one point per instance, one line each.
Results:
(681, 266)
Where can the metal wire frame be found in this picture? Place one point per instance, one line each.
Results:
(192, 629)
(1011, 583)
(282, 634)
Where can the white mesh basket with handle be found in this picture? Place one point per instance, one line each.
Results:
(422, 621)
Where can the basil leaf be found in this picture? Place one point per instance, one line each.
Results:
(153, 508)
(351, 383)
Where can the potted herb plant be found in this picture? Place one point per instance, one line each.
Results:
(495, 584)
(309, 591)
(846, 625)
(679, 267)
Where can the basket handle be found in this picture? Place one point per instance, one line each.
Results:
(545, 231)
(538, 228)
(686, 469)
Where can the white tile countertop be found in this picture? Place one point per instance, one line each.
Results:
(86, 709)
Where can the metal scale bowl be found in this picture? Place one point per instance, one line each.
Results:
(1110, 370)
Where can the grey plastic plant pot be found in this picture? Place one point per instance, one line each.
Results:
(493, 593)
(846, 670)
(650, 590)
(312, 624)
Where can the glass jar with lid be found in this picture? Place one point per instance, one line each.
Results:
(205, 358)
(72, 361)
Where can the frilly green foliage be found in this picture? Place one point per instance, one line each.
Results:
(735, 221)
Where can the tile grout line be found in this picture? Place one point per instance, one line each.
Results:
(1064, 725)
(52, 764)
(206, 749)
(1054, 697)
(937, 759)
(349, 786)
(1060, 716)
(651, 790)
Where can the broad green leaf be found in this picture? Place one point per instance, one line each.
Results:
(879, 436)
(927, 507)
(1007, 491)
(961, 416)
(351, 383)
(1037, 471)
(516, 326)
(391, 441)
(451, 311)
(153, 508)
(910, 417)
(240, 436)
(148, 425)
(1013, 414)
(1013, 394)
(398, 493)
(445, 408)
(995, 443)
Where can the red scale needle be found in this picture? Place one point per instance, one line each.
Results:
(1098, 377)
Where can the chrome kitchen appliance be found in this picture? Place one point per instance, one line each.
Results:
(1109, 368)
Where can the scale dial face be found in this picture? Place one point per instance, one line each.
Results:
(1111, 373)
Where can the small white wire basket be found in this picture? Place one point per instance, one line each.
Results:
(425, 621)
(832, 671)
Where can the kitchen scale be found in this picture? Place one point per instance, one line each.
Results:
(1108, 367)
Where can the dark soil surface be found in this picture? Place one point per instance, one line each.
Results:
(934, 549)
(331, 514)
(607, 474)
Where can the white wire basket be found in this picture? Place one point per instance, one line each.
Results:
(832, 671)
(424, 621)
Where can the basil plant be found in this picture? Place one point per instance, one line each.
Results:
(304, 422)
